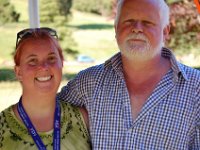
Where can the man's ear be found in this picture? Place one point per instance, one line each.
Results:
(166, 31)
(115, 27)
(18, 73)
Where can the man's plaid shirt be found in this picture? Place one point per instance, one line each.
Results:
(169, 120)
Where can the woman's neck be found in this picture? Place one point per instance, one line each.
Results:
(40, 111)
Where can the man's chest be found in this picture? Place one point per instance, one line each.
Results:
(164, 121)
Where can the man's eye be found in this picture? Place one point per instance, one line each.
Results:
(128, 22)
(147, 23)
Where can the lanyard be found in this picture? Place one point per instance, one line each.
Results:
(33, 132)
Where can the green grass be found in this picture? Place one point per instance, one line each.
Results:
(100, 45)
(10, 93)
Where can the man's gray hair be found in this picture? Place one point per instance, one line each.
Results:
(163, 11)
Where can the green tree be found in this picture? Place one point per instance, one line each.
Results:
(7, 12)
(101, 7)
(64, 7)
(56, 14)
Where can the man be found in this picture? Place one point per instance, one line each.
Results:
(141, 98)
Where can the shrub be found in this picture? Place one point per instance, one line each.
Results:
(7, 12)
(185, 25)
(101, 7)
(56, 13)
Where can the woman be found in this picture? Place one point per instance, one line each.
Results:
(38, 120)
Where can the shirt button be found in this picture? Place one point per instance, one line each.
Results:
(125, 105)
(130, 131)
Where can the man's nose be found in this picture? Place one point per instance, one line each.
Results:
(137, 27)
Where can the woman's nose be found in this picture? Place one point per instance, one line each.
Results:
(44, 65)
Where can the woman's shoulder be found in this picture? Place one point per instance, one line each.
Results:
(80, 113)
(73, 126)
(10, 129)
(71, 112)
(67, 107)
(77, 116)
(5, 114)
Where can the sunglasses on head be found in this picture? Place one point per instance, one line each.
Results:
(27, 32)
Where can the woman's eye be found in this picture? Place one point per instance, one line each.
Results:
(32, 62)
(52, 59)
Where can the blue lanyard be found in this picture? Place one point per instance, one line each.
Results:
(33, 132)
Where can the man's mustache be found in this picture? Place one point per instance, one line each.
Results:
(139, 36)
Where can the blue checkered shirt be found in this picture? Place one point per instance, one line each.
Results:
(169, 120)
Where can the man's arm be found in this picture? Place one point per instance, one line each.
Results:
(197, 139)
(81, 89)
(71, 93)
(197, 130)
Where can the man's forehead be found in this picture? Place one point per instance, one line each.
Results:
(139, 1)
(131, 5)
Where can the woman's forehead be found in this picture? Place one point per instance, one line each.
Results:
(39, 46)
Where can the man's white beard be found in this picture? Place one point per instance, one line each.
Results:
(139, 50)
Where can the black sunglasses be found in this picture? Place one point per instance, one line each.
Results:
(29, 31)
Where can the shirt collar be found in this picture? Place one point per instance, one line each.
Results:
(177, 67)
(116, 63)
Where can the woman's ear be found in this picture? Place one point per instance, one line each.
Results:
(18, 73)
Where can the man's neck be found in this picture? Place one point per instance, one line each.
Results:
(141, 70)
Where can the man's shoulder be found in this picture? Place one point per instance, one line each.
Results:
(110, 64)
(90, 75)
(94, 70)
(191, 73)
(103, 68)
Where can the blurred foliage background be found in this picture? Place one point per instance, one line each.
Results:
(7, 12)
(185, 20)
(185, 26)
(59, 14)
